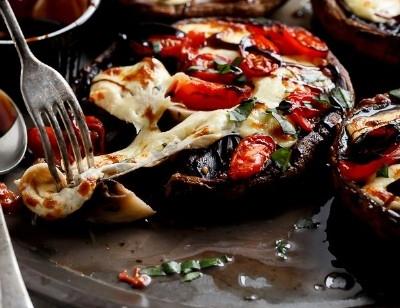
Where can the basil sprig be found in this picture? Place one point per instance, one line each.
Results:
(383, 172)
(241, 113)
(190, 269)
(282, 158)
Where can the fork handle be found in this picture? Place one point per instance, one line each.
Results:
(15, 31)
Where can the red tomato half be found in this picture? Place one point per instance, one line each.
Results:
(97, 136)
(263, 43)
(250, 156)
(167, 45)
(297, 41)
(257, 66)
(197, 94)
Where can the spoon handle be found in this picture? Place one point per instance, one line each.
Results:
(13, 293)
(15, 31)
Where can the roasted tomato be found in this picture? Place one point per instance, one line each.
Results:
(97, 135)
(352, 171)
(8, 199)
(263, 43)
(250, 156)
(254, 65)
(303, 102)
(197, 94)
(204, 66)
(297, 41)
(167, 45)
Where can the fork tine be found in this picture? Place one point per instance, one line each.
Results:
(61, 144)
(84, 130)
(48, 152)
(63, 113)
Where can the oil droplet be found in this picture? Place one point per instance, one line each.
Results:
(319, 287)
(341, 281)
(252, 297)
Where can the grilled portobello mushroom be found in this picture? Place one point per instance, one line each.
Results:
(365, 157)
(372, 28)
(205, 173)
(177, 9)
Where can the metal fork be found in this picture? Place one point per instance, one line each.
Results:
(48, 97)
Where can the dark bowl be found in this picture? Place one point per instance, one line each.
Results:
(61, 48)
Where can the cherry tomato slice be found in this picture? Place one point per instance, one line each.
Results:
(9, 201)
(250, 156)
(299, 119)
(351, 171)
(35, 143)
(297, 41)
(97, 135)
(197, 94)
(257, 66)
(204, 68)
(167, 45)
(263, 43)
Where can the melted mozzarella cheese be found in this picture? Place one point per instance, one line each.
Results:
(375, 10)
(135, 94)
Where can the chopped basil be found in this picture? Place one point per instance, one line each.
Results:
(211, 262)
(282, 158)
(237, 61)
(306, 223)
(282, 248)
(223, 68)
(323, 99)
(192, 276)
(240, 113)
(341, 98)
(383, 172)
(395, 93)
(241, 79)
(171, 267)
(156, 47)
(286, 126)
(190, 269)
(190, 266)
(153, 271)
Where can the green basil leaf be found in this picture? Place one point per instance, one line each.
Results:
(395, 93)
(282, 158)
(211, 262)
(323, 99)
(190, 266)
(192, 276)
(241, 113)
(237, 61)
(286, 126)
(282, 248)
(241, 79)
(341, 98)
(306, 223)
(153, 271)
(171, 267)
(383, 172)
